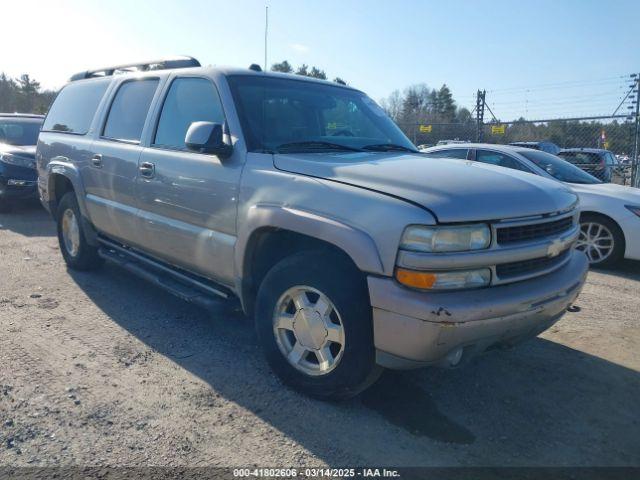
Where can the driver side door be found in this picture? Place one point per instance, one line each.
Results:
(187, 200)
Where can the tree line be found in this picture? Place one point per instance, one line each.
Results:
(23, 95)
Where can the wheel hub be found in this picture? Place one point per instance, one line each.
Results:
(309, 328)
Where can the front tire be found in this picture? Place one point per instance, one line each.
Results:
(313, 320)
(77, 252)
(601, 239)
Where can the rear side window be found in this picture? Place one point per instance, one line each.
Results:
(75, 106)
(499, 159)
(129, 110)
(460, 153)
(189, 100)
(581, 158)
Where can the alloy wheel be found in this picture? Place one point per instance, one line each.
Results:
(70, 232)
(309, 330)
(596, 241)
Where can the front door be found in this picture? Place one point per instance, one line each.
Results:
(188, 200)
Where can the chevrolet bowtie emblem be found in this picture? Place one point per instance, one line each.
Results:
(555, 248)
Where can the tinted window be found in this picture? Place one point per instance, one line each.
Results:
(581, 158)
(611, 160)
(460, 153)
(499, 159)
(19, 131)
(559, 168)
(189, 100)
(75, 106)
(129, 110)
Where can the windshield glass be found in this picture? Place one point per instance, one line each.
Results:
(20, 131)
(558, 168)
(287, 115)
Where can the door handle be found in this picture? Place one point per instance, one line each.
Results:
(147, 169)
(96, 161)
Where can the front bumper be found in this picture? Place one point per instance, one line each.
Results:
(17, 189)
(17, 182)
(413, 329)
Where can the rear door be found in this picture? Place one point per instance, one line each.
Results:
(113, 166)
(188, 200)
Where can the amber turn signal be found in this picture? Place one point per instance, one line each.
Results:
(414, 279)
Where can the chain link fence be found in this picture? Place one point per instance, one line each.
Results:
(605, 146)
(602, 146)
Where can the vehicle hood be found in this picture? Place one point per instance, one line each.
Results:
(454, 190)
(21, 151)
(628, 195)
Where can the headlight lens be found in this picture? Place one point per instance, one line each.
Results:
(16, 160)
(457, 279)
(446, 239)
(633, 209)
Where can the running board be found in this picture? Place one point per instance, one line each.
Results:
(183, 285)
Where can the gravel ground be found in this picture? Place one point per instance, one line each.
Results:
(103, 369)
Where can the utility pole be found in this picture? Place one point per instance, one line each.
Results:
(266, 31)
(480, 104)
(635, 163)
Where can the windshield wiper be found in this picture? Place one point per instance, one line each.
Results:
(386, 147)
(314, 145)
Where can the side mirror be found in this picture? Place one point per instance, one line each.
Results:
(207, 137)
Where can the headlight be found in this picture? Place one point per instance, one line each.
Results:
(633, 209)
(16, 160)
(452, 280)
(446, 239)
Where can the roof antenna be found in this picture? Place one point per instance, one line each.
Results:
(266, 31)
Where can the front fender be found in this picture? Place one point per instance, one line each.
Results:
(353, 241)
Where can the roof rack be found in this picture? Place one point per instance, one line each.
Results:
(163, 64)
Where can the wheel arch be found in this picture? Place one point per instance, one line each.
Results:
(272, 233)
(63, 177)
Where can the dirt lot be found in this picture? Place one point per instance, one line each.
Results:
(102, 368)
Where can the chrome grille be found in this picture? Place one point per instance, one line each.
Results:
(523, 233)
(506, 271)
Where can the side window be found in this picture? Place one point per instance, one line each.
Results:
(610, 159)
(189, 100)
(460, 153)
(129, 110)
(499, 159)
(74, 107)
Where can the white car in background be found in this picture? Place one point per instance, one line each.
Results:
(610, 218)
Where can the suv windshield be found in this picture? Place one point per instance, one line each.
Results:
(558, 168)
(288, 115)
(20, 131)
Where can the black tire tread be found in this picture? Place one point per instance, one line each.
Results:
(88, 257)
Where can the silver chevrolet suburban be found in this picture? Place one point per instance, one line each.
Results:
(301, 199)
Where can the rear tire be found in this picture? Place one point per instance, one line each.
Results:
(601, 239)
(77, 252)
(313, 320)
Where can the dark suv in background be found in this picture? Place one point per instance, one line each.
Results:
(602, 164)
(18, 175)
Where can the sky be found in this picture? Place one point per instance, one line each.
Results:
(545, 58)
